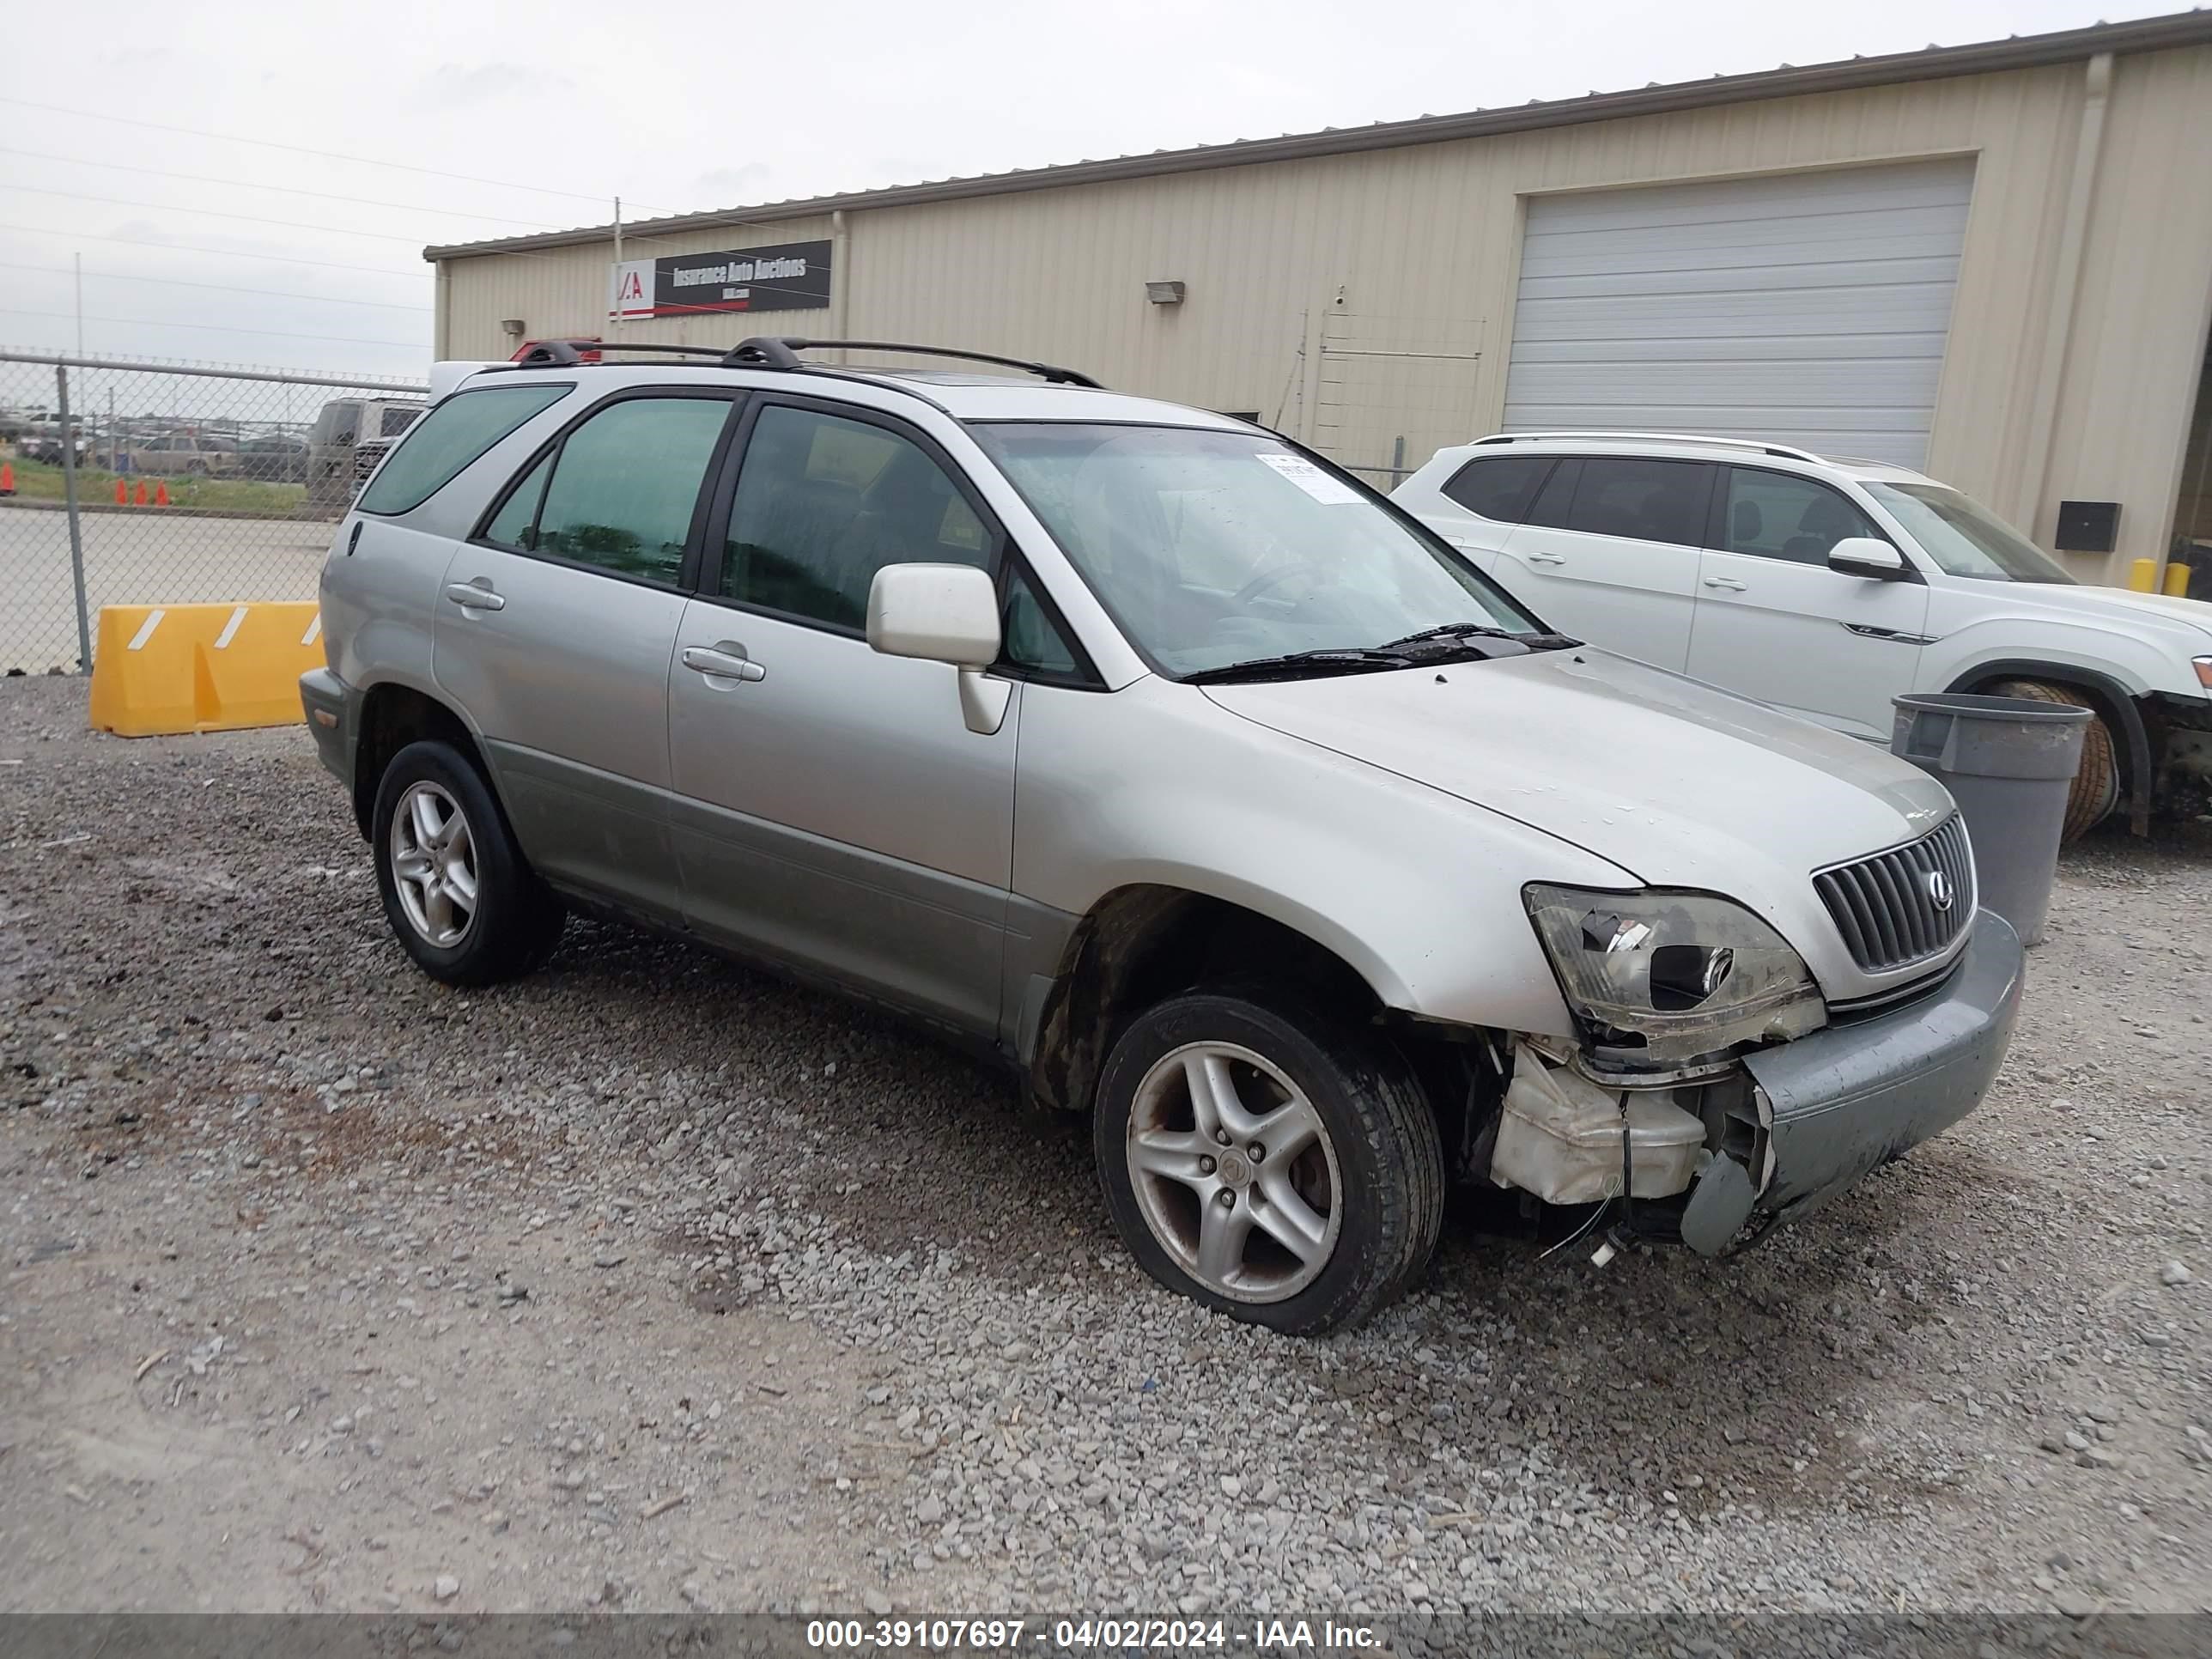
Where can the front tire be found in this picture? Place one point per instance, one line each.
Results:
(459, 897)
(1277, 1165)
(2096, 789)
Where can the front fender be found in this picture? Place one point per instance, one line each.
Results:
(1418, 890)
(2129, 661)
(2112, 699)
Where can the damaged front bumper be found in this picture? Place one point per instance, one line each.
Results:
(1846, 1099)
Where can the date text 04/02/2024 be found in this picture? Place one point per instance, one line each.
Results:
(1287, 1636)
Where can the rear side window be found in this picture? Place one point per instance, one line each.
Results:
(1498, 487)
(1557, 495)
(626, 484)
(1643, 500)
(448, 438)
(516, 518)
(396, 419)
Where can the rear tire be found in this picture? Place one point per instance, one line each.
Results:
(1350, 1168)
(2096, 789)
(457, 890)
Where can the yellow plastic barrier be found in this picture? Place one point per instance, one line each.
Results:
(2142, 576)
(159, 668)
(2177, 579)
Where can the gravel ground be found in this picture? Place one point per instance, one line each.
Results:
(652, 1283)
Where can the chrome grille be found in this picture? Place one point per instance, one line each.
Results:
(1884, 906)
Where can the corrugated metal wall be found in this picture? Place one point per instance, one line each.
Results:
(1364, 301)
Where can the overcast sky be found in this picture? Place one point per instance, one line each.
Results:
(678, 106)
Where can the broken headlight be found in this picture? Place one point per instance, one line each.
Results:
(1672, 982)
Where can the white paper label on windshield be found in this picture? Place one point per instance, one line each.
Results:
(1332, 492)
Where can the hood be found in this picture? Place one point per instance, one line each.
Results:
(1671, 779)
(2116, 605)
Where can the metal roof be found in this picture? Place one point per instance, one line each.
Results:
(2190, 28)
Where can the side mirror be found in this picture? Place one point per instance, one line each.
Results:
(945, 613)
(1867, 555)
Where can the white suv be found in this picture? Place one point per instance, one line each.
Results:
(1825, 586)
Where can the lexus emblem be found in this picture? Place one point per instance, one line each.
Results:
(1939, 889)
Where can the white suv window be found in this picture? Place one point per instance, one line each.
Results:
(1779, 515)
(1498, 487)
(1627, 495)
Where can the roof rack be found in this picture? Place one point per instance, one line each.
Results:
(568, 353)
(771, 351)
(1788, 451)
(774, 351)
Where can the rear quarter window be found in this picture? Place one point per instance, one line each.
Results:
(460, 430)
(1498, 487)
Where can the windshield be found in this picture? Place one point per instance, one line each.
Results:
(1213, 548)
(1965, 537)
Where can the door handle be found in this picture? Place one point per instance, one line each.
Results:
(1546, 558)
(725, 661)
(1728, 582)
(476, 595)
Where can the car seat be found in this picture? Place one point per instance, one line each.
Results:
(1825, 523)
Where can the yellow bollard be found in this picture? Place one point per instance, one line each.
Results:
(2142, 576)
(2177, 579)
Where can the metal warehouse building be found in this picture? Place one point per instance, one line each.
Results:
(1991, 261)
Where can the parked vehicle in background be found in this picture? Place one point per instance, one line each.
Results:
(349, 437)
(1337, 873)
(44, 442)
(194, 454)
(275, 458)
(1825, 586)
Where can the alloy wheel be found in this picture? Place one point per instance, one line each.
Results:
(1233, 1172)
(434, 865)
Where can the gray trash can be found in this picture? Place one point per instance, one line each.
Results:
(2009, 762)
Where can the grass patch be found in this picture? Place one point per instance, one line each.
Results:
(38, 481)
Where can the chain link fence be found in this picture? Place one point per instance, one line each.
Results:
(151, 483)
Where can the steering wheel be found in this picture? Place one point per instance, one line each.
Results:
(1267, 582)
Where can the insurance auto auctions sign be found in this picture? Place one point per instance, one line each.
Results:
(794, 276)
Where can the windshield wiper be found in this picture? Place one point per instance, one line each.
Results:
(1455, 632)
(1300, 665)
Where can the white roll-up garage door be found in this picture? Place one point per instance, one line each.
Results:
(1807, 307)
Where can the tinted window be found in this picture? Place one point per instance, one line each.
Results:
(1778, 516)
(511, 525)
(397, 420)
(447, 439)
(1557, 496)
(1646, 501)
(1032, 639)
(824, 503)
(625, 482)
(1498, 486)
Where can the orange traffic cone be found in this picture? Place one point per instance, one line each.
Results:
(7, 477)
(122, 493)
(162, 493)
(140, 500)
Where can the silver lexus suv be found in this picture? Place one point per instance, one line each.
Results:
(1157, 758)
